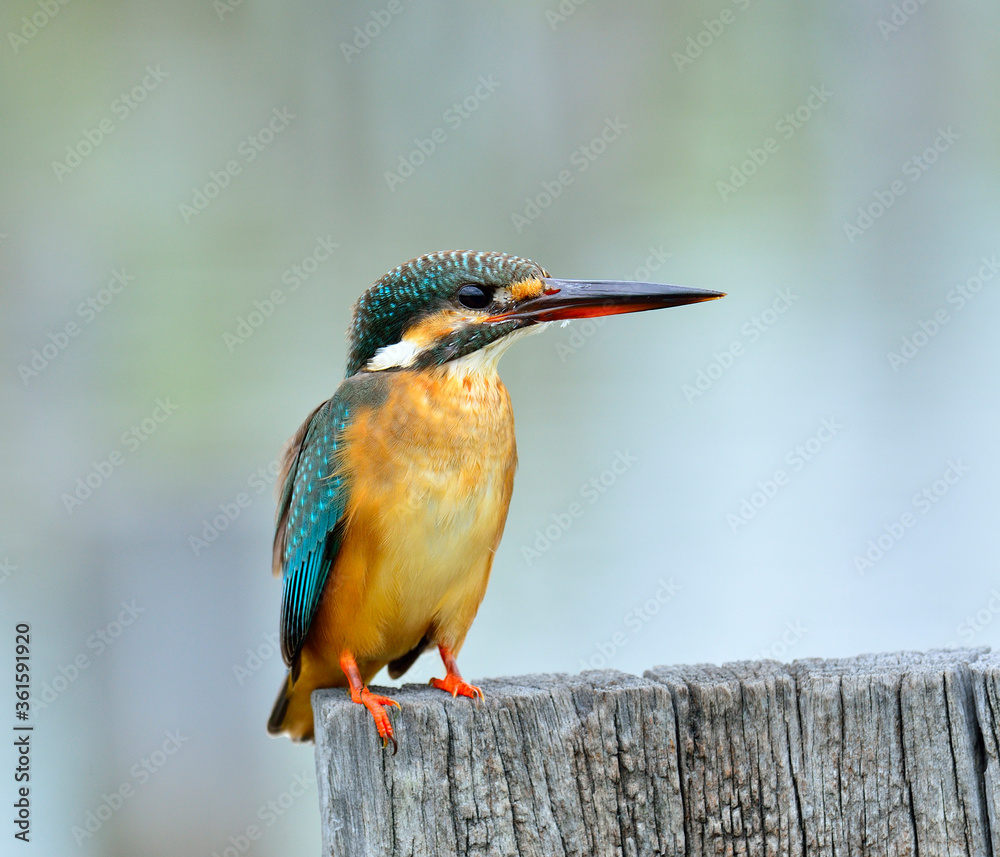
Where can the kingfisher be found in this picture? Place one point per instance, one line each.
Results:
(393, 494)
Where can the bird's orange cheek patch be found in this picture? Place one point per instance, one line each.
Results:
(526, 289)
(432, 328)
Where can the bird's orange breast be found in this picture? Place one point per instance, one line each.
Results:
(430, 473)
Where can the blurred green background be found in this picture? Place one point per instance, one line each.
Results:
(805, 468)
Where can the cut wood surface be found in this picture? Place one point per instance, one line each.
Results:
(892, 754)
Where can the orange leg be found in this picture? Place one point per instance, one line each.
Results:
(372, 701)
(452, 682)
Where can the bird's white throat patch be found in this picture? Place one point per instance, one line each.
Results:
(399, 355)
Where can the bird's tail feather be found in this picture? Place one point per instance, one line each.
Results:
(292, 712)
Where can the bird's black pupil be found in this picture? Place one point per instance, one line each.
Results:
(473, 297)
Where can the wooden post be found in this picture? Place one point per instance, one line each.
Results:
(893, 754)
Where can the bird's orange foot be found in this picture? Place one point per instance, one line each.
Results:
(376, 703)
(456, 686)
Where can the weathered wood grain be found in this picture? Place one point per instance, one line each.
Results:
(895, 754)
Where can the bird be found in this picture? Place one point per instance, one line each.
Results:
(393, 493)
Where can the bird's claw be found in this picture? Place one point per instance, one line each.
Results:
(456, 686)
(376, 703)
(383, 700)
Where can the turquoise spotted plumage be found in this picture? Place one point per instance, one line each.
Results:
(311, 506)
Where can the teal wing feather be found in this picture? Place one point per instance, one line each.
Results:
(309, 529)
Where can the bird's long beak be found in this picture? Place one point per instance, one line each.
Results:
(563, 299)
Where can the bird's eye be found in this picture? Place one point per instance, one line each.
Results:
(474, 297)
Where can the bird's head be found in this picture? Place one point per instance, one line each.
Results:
(437, 308)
